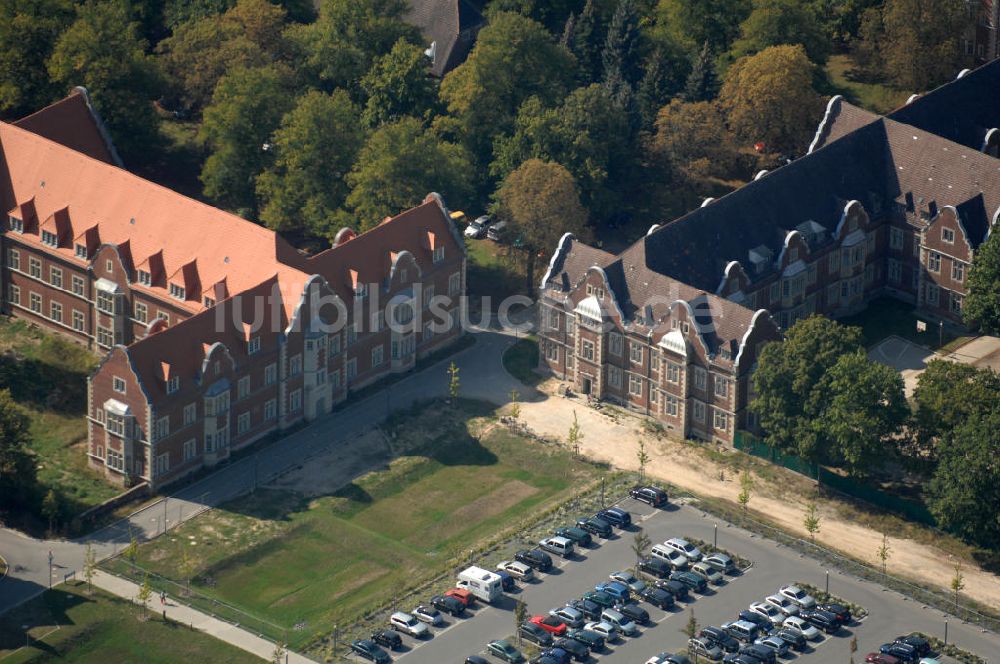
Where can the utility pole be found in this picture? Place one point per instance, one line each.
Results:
(50, 569)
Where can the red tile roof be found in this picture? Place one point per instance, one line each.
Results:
(73, 123)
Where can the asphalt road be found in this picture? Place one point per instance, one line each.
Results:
(890, 614)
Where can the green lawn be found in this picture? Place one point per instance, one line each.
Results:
(874, 96)
(520, 361)
(888, 316)
(67, 624)
(492, 273)
(330, 559)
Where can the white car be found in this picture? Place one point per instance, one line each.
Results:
(769, 611)
(517, 570)
(477, 228)
(690, 551)
(404, 622)
(799, 596)
(672, 557)
(802, 627)
(428, 614)
(605, 629)
(785, 605)
(636, 585)
(662, 658)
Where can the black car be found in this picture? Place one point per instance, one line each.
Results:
(760, 653)
(821, 619)
(532, 632)
(595, 526)
(556, 656)
(636, 613)
(370, 650)
(388, 638)
(903, 651)
(578, 536)
(656, 568)
(719, 637)
(652, 495)
(543, 658)
(739, 658)
(592, 640)
(475, 659)
(919, 643)
(842, 612)
(588, 607)
(448, 605)
(690, 579)
(616, 516)
(792, 637)
(675, 588)
(507, 582)
(577, 650)
(762, 622)
(658, 597)
(535, 558)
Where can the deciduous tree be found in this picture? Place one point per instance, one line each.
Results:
(399, 84)
(811, 521)
(982, 305)
(694, 23)
(776, 22)
(920, 46)
(692, 138)
(17, 466)
(947, 394)
(28, 31)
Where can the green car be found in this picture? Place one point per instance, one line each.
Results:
(501, 649)
(690, 580)
(601, 598)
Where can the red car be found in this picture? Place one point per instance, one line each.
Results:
(462, 595)
(879, 658)
(550, 624)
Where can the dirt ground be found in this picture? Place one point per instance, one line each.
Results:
(615, 439)
(324, 474)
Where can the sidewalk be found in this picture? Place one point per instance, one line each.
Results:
(203, 623)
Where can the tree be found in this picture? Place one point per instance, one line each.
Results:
(514, 59)
(620, 59)
(399, 165)
(399, 84)
(541, 201)
(575, 436)
(453, 381)
(103, 51)
(787, 378)
(957, 583)
(550, 13)
(665, 74)
(883, 552)
(145, 592)
(201, 52)
(247, 107)
(278, 656)
(28, 31)
(695, 23)
(520, 615)
(865, 406)
(17, 465)
(178, 12)
(920, 43)
(982, 304)
(692, 138)
(947, 394)
(841, 19)
(643, 458)
(691, 627)
(51, 508)
(746, 489)
(345, 39)
(89, 566)
(585, 42)
(776, 22)
(515, 407)
(702, 83)
(131, 551)
(965, 488)
(640, 542)
(811, 521)
(769, 97)
(314, 149)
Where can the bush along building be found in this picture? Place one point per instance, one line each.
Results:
(894, 205)
(216, 331)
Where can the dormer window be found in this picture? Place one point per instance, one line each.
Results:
(209, 302)
(253, 345)
(173, 384)
(145, 278)
(176, 290)
(948, 235)
(438, 254)
(81, 251)
(49, 238)
(16, 225)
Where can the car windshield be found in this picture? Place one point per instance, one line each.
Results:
(689, 548)
(796, 593)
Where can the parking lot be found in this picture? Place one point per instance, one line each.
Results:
(890, 614)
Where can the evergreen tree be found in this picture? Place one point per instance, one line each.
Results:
(655, 89)
(620, 58)
(584, 42)
(568, 31)
(703, 82)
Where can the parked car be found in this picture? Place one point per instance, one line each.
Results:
(739, 658)
(823, 620)
(550, 624)
(667, 658)
(561, 546)
(919, 643)
(880, 658)
(370, 650)
(573, 617)
(690, 551)
(783, 604)
(516, 569)
(590, 609)
(587, 637)
(404, 622)
(554, 655)
(618, 590)
(507, 582)
(578, 535)
(760, 653)
(534, 558)
(635, 613)
(629, 579)
(428, 614)
(475, 659)
(902, 651)
(799, 596)
(707, 572)
(843, 613)
(705, 648)
(763, 622)
(769, 611)
(721, 562)
(802, 627)
(616, 516)
(775, 643)
(477, 228)
(792, 637)
(658, 597)
(531, 632)
(543, 658)
(654, 567)
(497, 231)
(595, 526)
(600, 597)
(741, 630)
(719, 637)
(605, 629)
(674, 587)
(448, 604)
(651, 495)
(462, 595)
(692, 581)
(387, 638)
(502, 649)
(577, 649)
(618, 619)
(671, 556)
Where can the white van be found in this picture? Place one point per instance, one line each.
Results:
(485, 585)
(561, 546)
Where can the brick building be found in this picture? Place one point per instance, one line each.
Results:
(672, 325)
(216, 331)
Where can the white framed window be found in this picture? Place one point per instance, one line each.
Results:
(635, 353)
(105, 337)
(916, 245)
(173, 384)
(615, 344)
(295, 401)
(552, 352)
(208, 302)
(35, 303)
(141, 312)
(253, 345)
(55, 311)
(56, 277)
(243, 388)
(438, 254)
(190, 414)
(115, 424)
(165, 317)
(15, 294)
(16, 224)
(377, 355)
(77, 285)
(958, 271)
(270, 409)
(190, 449)
(699, 411)
(161, 428)
(700, 378)
(673, 373)
(895, 271)
(118, 384)
(162, 464)
(932, 294)
(721, 385)
(35, 267)
(721, 420)
(948, 235)
(295, 365)
(106, 302)
(49, 238)
(895, 238)
(115, 460)
(635, 385)
(145, 278)
(81, 251)
(243, 423)
(455, 284)
(14, 259)
(956, 303)
(270, 374)
(177, 291)
(934, 262)
(78, 320)
(587, 350)
(670, 405)
(615, 376)
(109, 266)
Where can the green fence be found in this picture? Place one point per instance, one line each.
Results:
(750, 444)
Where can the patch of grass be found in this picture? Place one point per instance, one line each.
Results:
(886, 316)
(493, 273)
(520, 361)
(457, 480)
(67, 624)
(846, 79)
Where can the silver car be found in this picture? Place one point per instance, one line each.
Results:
(785, 605)
(721, 562)
(569, 615)
(705, 648)
(629, 579)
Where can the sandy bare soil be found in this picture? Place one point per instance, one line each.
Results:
(615, 440)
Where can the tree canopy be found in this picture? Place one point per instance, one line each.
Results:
(947, 394)
(17, 465)
(28, 31)
(398, 84)
(692, 137)
(692, 24)
(776, 22)
(982, 305)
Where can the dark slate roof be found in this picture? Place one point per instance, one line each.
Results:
(962, 110)
(840, 119)
(442, 22)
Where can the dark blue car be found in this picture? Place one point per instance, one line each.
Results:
(616, 516)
